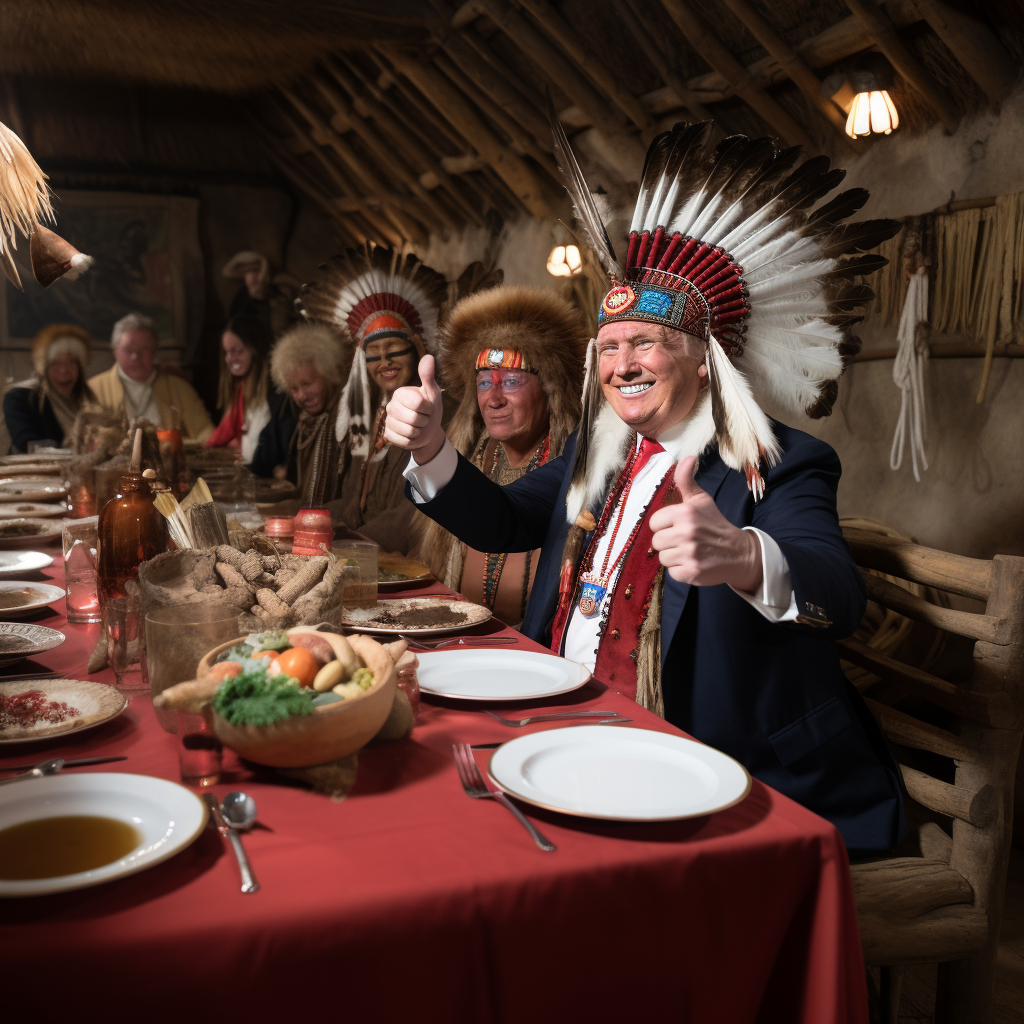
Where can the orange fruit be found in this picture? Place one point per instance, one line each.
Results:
(299, 663)
(225, 670)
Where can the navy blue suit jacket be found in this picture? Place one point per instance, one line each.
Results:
(772, 695)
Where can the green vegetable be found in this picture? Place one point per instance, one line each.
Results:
(275, 641)
(253, 698)
(362, 677)
(236, 653)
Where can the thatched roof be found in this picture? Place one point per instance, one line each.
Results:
(403, 117)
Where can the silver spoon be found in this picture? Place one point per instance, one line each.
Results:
(50, 767)
(229, 829)
(240, 811)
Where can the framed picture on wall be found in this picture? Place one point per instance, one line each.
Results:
(147, 260)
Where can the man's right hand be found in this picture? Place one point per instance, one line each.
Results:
(414, 416)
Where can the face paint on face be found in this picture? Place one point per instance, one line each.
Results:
(391, 363)
(513, 405)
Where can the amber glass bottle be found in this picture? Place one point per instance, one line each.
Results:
(130, 530)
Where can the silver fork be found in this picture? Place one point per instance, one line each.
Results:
(609, 717)
(473, 783)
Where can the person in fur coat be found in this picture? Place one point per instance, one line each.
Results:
(513, 359)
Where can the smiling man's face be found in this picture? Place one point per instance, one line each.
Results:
(651, 375)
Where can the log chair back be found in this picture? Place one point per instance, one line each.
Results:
(947, 905)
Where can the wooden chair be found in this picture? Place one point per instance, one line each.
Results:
(945, 905)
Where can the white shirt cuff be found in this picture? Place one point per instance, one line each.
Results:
(432, 477)
(776, 600)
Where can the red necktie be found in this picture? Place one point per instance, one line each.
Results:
(648, 447)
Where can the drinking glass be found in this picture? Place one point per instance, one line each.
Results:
(122, 617)
(79, 543)
(177, 638)
(363, 554)
(199, 750)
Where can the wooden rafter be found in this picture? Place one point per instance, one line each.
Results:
(974, 44)
(562, 72)
(524, 182)
(883, 32)
(596, 69)
(707, 44)
(369, 106)
(794, 66)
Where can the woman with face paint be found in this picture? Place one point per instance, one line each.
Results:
(258, 421)
(386, 308)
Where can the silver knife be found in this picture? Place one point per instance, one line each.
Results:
(67, 763)
(249, 883)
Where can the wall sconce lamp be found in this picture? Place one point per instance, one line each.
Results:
(565, 261)
(863, 94)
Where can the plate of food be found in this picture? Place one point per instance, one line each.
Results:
(32, 488)
(39, 709)
(65, 832)
(18, 598)
(477, 674)
(395, 572)
(26, 533)
(33, 510)
(15, 563)
(622, 774)
(420, 616)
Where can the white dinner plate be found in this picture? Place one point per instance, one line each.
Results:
(46, 531)
(43, 594)
(474, 674)
(43, 488)
(25, 640)
(95, 703)
(385, 617)
(168, 817)
(13, 563)
(33, 510)
(619, 774)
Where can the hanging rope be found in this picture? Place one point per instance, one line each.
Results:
(908, 375)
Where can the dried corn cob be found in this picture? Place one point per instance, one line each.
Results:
(226, 553)
(233, 578)
(272, 603)
(305, 579)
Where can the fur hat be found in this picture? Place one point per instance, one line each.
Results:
(316, 345)
(56, 340)
(548, 331)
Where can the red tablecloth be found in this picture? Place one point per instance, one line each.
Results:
(407, 901)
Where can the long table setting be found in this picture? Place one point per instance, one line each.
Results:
(654, 880)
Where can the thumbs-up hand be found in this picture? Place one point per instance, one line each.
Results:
(414, 416)
(698, 545)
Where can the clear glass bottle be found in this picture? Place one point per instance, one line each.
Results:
(130, 530)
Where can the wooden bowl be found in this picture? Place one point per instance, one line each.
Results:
(333, 730)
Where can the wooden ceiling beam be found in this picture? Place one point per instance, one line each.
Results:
(973, 44)
(369, 106)
(591, 64)
(325, 135)
(711, 49)
(562, 72)
(794, 66)
(380, 228)
(392, 160)
(883, 32)
(524, 182)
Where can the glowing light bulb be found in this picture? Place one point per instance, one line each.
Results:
(565, 261)
(872, 113)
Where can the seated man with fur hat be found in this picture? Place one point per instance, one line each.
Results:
(513, 358)
(44, 407)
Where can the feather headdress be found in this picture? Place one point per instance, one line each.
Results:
(24, 202)
(372, 293)
(725, 245)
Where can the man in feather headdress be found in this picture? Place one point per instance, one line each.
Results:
(691, 553)
(513, 359)
(385, 307)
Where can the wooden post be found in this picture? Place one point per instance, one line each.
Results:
(392, 159)
(794, 66)
(325, 135)
(882, 31)
(572, 42)
(712, 50)
(520, 178)
(974, 44)
(556, 68)
(369, 106)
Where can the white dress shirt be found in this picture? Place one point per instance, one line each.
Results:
(775, 599)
